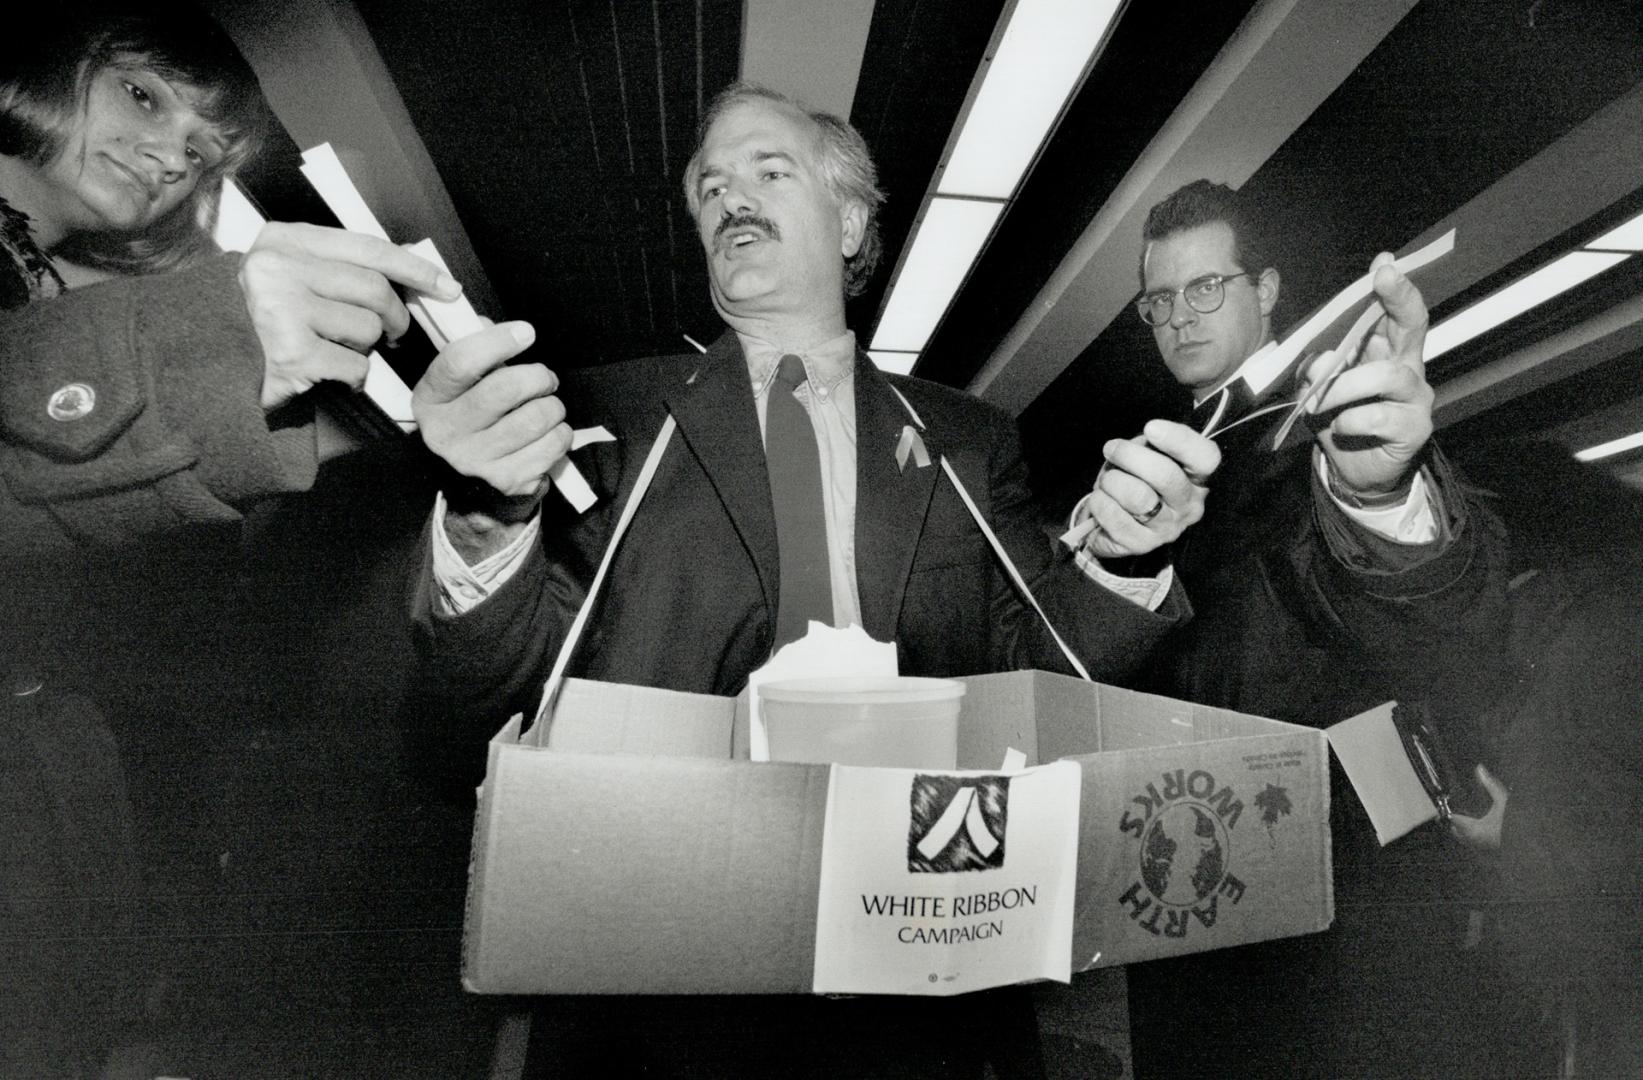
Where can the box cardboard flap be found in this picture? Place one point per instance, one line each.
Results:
(1049, 716)
(692, 876)
(612, 718)
(995, 714)
(1374, 759)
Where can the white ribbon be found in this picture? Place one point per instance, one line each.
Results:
(910, 443)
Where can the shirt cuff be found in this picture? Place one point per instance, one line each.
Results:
(1148, 592)
(1413, 522)
(460, 587)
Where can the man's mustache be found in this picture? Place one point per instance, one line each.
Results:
(745, 221)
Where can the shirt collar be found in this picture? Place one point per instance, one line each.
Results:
(826, 364)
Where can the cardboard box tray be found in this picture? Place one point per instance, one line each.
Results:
(637, 851)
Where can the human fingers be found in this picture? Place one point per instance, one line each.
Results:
(1197, 455)
(1386, 403)
(1374, 380)
(463, 362)
(1117, 531)
(1153, 468)
(522, 472)
(511, 455)
(1144, 496)
(504, 389)
(1497, 790)
(478, 415)
(361, 287)
(1399, 431)
(353, 327)
(526, 422)
(1402, 300)
(1132, 495)
(1404, 327)
(282, 285)
(360, 250)
(320, 361)
(303, 335)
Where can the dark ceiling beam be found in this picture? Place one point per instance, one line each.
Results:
(1598, 340)
(1591, 168)
(1286, 58)
(1595, 165)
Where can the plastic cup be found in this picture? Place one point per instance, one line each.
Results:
(900, 722)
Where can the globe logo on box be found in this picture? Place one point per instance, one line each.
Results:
(1183, 854)
(1183, 823)
(957, 823)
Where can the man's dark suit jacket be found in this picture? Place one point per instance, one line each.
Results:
(690, 605)
(691, 600)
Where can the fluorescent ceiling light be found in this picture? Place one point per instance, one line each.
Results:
(1528, 292)
(897, 363)
(945, 244)
(1628, 237)
(1039, 61)
(1611, 448)
(238, 222)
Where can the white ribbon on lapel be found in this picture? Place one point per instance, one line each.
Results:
(987, 531)
(910, 443)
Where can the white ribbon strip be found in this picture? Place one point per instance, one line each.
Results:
(998, 550)
(550, 691)
(1267, 364)
(442, 320)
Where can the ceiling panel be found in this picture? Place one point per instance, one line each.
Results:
(561, 129)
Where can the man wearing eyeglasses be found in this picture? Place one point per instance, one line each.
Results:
(1422, 573)
(1208, 293)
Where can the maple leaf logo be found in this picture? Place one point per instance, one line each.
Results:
(1274, 803)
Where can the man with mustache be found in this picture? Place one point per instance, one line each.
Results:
(784, 203)
(703, 587)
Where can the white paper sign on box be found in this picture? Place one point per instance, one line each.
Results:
(945, 882)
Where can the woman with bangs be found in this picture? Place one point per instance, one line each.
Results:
(140, 420)
(116, 132)
(141, 417)
(115, 135)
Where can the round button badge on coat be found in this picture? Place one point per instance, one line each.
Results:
(71, 402)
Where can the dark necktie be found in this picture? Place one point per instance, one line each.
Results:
(794, 463)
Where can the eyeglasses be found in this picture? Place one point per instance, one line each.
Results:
(1203, 295)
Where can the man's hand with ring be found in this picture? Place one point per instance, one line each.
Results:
(1150, 490)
